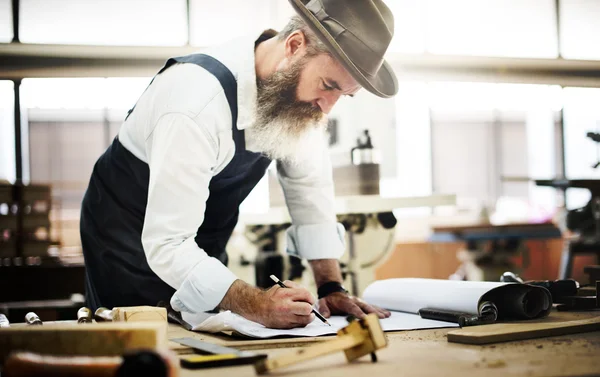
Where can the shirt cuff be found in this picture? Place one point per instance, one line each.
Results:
(316, 241)
(204, 288)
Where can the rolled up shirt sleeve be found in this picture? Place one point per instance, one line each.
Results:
(182, 157)
(308, 191)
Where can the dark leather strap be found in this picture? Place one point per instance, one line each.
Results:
(329, 288)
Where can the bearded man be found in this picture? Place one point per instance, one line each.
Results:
(164, 198)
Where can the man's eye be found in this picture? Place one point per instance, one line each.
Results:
(327, 87)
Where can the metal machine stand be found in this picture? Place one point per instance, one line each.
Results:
(583, 222)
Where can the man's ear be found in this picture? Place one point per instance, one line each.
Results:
(295, 44)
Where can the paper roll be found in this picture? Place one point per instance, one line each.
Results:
(513, 300)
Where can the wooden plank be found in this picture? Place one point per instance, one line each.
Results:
(101, 339)
(428, 353)
(140, 314)
(505, 332)
(490, 227)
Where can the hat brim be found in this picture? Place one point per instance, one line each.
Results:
(383, 84)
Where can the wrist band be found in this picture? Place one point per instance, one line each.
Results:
(329, 288)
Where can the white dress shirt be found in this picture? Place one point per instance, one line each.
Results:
(181, 127)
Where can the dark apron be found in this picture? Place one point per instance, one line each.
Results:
(114, 207)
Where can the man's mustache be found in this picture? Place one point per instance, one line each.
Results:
(306, 110)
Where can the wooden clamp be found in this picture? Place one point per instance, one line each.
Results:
(359, 338)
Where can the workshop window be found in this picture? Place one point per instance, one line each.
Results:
(580, 29)
(214, 22)
(7, 131)
(71, 122)
(487, 139)
(512, 28)
(106, 22)
(582, 115)
(409, 26)
(413, 138)
(6, 25)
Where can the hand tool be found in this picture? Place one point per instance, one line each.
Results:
(511, 277)
(104, 315)
(463, 319)
(488, 313)
(173, 316)
(580, 302)
(214, 355)
(137, 363)
(84, 315)
(557, 288)
(563, 292)
(32, 319)
(280, 283)
(361, 337)
(4, 321)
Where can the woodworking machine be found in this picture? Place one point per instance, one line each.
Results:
(370, 229)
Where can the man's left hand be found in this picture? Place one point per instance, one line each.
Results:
(342, 303)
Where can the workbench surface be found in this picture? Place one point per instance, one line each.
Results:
(428, 353)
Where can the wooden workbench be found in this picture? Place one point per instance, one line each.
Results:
(428, 353)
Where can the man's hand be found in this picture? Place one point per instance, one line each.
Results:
(279, 308)
(285, 308)
(342, 303)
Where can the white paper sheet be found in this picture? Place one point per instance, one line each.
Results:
(227, 321)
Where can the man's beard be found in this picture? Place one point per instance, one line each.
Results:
(286, 129)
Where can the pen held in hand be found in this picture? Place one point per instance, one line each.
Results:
(280, 283)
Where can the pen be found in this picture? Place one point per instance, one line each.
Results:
(323, 319)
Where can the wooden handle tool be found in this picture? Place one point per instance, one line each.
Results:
(359, 338)
(138, 363)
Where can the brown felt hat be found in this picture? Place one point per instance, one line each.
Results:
(357, 33)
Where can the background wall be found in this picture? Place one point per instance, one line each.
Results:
(451, 128)
(438, 261)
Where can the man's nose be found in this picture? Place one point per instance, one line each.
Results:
(327, 101)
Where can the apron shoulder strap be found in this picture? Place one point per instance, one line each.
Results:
(227, 81)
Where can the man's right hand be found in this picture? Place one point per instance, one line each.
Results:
(280, 308)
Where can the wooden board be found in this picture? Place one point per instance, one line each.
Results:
(97, 339)
(423, 353)
(140, 314)
(505, 332)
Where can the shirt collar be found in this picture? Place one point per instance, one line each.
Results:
(238, 56)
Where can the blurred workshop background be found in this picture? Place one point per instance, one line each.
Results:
(486, 161)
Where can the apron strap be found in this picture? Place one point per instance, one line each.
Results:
(227, 81)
